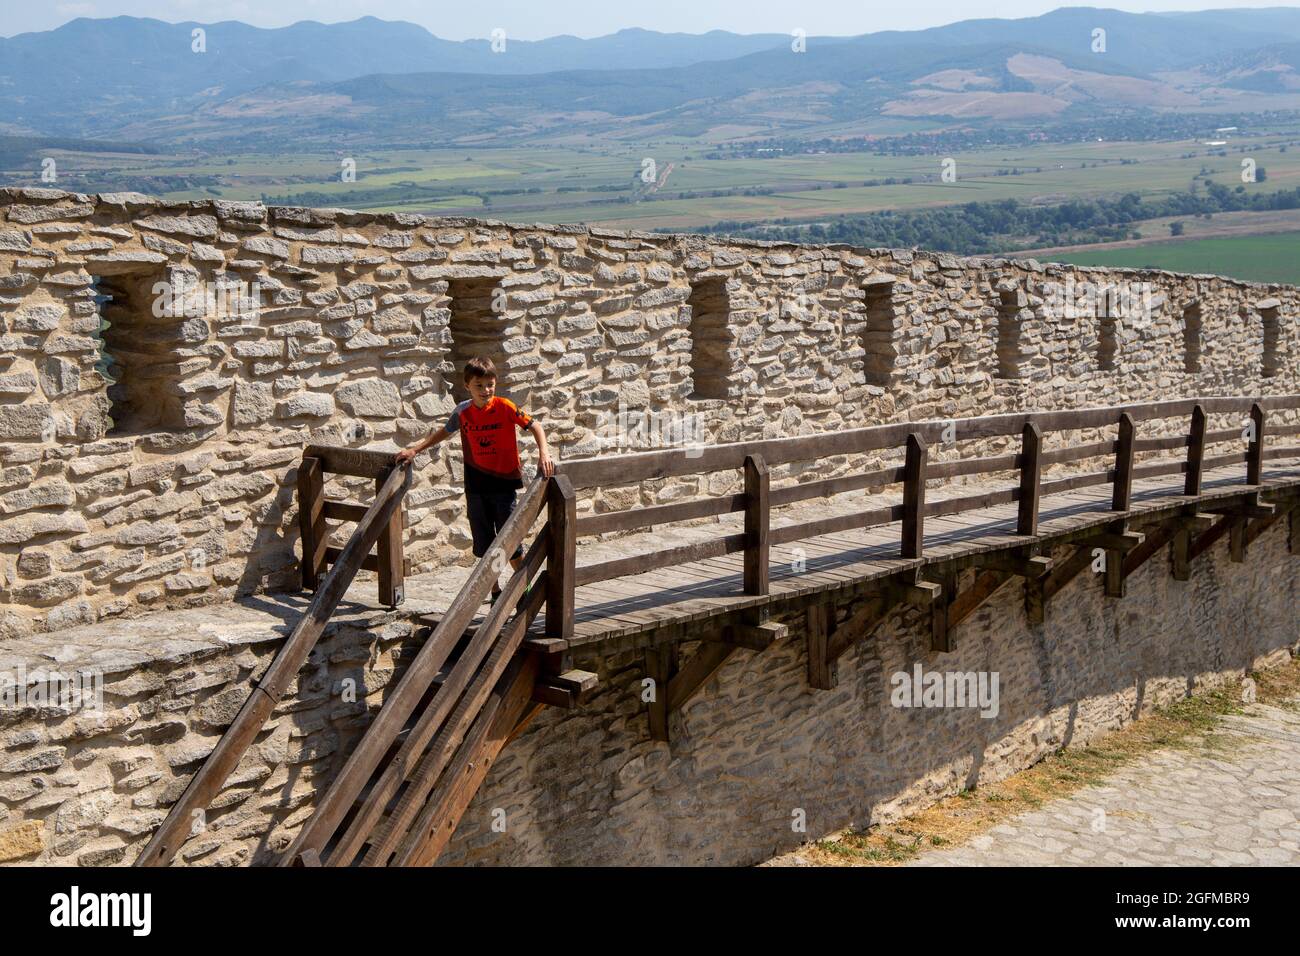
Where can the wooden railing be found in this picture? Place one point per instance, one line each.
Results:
(453, 723)
(397, 798)
(914, 440)
(375, 524)
(314, 509)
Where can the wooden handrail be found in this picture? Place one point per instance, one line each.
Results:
(185, 815)
(915, 472)
(453, 731)
(413, 685)
(435, 720)
(628, 469)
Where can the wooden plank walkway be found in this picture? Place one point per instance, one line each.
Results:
(668, 597)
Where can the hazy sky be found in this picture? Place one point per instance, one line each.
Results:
(534, 19)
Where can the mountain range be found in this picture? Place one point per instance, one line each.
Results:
(136, 79)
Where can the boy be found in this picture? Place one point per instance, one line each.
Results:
(491, 450)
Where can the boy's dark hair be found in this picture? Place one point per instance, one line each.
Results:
(480, 367)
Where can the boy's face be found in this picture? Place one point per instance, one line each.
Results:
(481, 389)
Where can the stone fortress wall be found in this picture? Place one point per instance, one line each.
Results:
(175, 488)
(166, 478)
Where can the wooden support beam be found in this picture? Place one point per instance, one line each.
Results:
(1152, 543)
(660, 666)
(1248, 506)
(1181, 554)
(754, 637)
(1113, 581)
(864, 623)
(696, 672)
(1066, 571)
(1203, 542)
(1197, 522)
(914, 497)
(928, 595)
(967, 602)
(1258, 526)
(1013, 563)
(1293, 538)
(1237, 539)
(819, 623)
(1121, 541)
(757, 525)
(522, 724)
(564, 689)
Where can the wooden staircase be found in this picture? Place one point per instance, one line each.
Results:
(466, 694)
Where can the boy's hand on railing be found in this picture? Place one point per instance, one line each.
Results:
(406, 454)
(545, 466)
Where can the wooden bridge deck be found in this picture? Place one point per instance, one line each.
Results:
(475, 682)
(640, 604)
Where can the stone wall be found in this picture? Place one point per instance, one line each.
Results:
(758, 746)
(150, 464)
(754, 746)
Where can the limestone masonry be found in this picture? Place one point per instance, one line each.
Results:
(163, 365)
(236, 334)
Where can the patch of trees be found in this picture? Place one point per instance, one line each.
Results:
(1009, 225)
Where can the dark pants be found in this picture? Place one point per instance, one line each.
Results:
(487, 516)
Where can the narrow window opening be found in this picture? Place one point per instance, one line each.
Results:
(1192, 338)
(139, 357)
(712, 355)
(476, 329)
(1271, 314)
(1013, 312)
(880, 339)
(1108, 316)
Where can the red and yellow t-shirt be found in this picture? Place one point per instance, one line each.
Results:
(489, 443)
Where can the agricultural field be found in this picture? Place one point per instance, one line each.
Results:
(603, 183)
(1267, 258)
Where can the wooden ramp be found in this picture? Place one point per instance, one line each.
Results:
(475, 682)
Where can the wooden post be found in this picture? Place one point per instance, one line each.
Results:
(1124, 464)
(390, 557)
(914, 497)
(660, 666)
(1195, 454)
(1114, 581)
(821, 668)
(1031, 473)
(1255, 452)
(311, 501)
(757, 523)
(562, 520)
(1182, 554)
(1036, 599)
(1236, 538)
(1293, 536)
